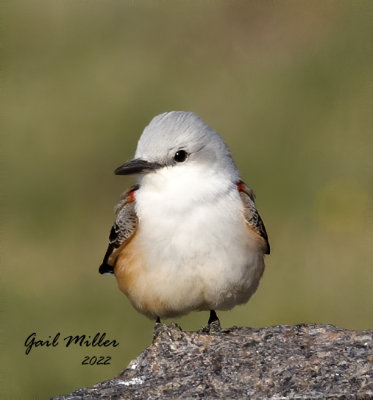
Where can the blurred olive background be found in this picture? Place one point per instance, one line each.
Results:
(286, 85)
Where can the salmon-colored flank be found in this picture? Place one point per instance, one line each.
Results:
(131, 274)
(129, 264)
(241, 188)
(257, 236)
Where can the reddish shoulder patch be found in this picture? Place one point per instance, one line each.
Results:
(241, 186)
(131, 196)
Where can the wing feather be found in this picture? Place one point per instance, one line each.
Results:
(122, 230)
(251, 214)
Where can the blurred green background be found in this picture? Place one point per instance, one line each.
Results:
(286, 85)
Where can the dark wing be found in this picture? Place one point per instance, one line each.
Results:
(122, 230)
(251, 214)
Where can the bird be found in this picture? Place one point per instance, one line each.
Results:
(187, 236)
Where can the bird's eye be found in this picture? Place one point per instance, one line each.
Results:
(180, 156)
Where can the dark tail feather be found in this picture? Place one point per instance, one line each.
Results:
(106, 269)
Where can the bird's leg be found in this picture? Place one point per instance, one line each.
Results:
(157, 330)
(213, 317)
(214, 323)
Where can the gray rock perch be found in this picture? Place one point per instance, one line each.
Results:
(280, 362)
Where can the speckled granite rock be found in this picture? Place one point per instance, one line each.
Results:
(280, 362)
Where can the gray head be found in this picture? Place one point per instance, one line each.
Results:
(179, 138)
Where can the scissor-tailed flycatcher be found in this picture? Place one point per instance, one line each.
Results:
(188, 235)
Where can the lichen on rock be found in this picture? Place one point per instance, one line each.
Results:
(279, 362)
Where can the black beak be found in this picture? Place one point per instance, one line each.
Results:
(136, 166)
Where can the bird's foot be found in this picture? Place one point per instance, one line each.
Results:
(213, 325)
(157, 328)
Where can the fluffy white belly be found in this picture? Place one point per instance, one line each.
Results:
(196, 253)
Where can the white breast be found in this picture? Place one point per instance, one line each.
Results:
(199, 253)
